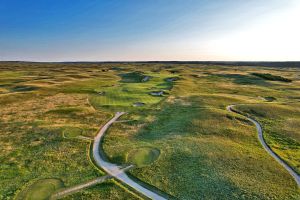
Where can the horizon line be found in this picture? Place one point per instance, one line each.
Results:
(153, 61)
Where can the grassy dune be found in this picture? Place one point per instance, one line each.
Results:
(281, 126)
(185, 143)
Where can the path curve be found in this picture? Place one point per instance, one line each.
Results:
(113, 169)
(267, 148)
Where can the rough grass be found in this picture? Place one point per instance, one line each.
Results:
(205, 152)
(106, 190)
(226, 159)
(32, 142)
(281, 129)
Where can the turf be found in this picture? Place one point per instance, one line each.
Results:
(143, 156)
(40, 190)
(132, 77)
(205, 152)
(281, 125)
(72, 132)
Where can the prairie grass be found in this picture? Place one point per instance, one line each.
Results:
(205, 152)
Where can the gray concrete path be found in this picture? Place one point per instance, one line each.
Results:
(76, 188)
(113, 169)
(267, 148)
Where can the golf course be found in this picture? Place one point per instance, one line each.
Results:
(149, 130)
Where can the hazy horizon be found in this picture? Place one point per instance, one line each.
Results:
(164, 30)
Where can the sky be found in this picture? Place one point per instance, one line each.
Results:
(150, 30)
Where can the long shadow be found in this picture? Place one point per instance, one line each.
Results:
(244, 79)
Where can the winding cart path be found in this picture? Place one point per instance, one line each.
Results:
(267, 148)
(114, 170)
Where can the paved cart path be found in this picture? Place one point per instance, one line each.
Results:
(113, 169)
(74, 189)
(267, 148)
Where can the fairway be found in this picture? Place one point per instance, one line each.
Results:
(129, 90)
(139, 100)
(175, 129)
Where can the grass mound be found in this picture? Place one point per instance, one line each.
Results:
(40, 190)
(72, 132)
(206, 152)
(280, 129)
(271, 77)
(143, 156)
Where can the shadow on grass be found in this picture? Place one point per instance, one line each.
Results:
(244, 79)
(23, 88)
(173, 120)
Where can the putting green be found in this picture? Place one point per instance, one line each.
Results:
(143, 156)
(72, 132)
(40, 190)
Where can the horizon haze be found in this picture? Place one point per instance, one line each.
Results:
(163, 30)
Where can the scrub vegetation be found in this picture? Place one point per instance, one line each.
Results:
(272, 77)
(281, 126)
(184, 142)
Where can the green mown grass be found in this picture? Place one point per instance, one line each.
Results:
(72, 132)
(40, 190)
(142, 156)
(124, 95)
(226, 159)
(205, 151)
(132, 77)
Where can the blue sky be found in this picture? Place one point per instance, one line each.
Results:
(121, 30)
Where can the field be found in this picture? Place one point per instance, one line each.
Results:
(176, 129)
